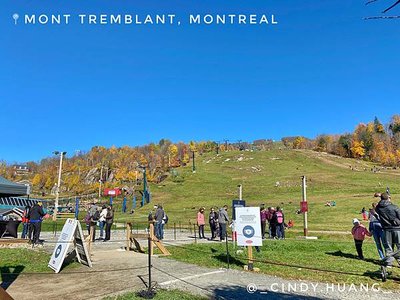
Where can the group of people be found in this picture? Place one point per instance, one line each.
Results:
(217, 219)
(102, 216)
(275, 219)
(32, 218)
(384, 227)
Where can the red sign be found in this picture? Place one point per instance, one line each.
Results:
(303, 206)
(112, 192)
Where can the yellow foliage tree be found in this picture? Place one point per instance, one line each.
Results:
(172, 154)
(299, 142)
(357, 149)
(37, 180)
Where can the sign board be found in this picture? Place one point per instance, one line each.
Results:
(303, 206)
(70, 234)
(248, 226)
(237, 203)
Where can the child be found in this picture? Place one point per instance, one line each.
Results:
(364, 214)
(359, 232)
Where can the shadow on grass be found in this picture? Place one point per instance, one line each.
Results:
(232, 261)
(9, 274)
(69, 260)
(352, 256)
(238, 292)
(376, 275)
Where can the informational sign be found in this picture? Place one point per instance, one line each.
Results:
(70, 234)
(248, 226)
(237, 203)
(80, 247)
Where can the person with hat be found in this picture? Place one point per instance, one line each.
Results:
(359, 232)
(389, 216)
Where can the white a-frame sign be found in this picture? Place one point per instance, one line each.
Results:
(70, 234)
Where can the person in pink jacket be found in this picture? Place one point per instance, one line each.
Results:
(359, 232)
(201, 222)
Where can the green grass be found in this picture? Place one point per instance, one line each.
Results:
(321, 260)
(216, 179)
(161, 295)
(329, 178)
(26, 261)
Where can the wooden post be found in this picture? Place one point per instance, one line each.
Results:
(90, 239)
(4, 295)
(250, 257)
(128, 236)
(151, 235)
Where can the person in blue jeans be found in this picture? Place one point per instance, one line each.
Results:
(375, 227)
(159, 226)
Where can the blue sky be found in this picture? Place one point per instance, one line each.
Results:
(322, 69)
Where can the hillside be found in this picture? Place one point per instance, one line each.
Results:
(351, 183)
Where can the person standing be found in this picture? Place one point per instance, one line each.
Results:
(270, 214)
(25, 222)
(222, 220)
(36, 215)
(158, 218)
(102, 220)
(109, 222)
(389, 216)
(279, 219)
(263, 216)
(94, 218)
(375, 228)
(201, 222)
(213, 220)
(359, 232)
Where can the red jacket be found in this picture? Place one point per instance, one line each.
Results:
(359, 232)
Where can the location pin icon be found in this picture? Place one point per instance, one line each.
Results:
(15, 17)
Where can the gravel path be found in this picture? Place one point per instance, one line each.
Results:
(116, 271)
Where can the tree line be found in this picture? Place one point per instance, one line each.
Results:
(372, 141)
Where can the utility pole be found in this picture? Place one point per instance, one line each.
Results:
(58, 184)
(194, 164)
(305, 221)
(100, 180)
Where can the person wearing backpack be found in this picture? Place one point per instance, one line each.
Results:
(277, 224)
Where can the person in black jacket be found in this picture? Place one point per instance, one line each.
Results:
(36, 215)
(389, 216)
(109, 222)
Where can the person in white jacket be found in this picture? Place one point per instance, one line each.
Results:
(102, 220)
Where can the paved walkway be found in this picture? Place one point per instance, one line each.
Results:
(117, 271)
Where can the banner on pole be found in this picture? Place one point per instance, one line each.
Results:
(248, 226)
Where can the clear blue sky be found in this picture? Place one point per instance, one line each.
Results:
(322, 69)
